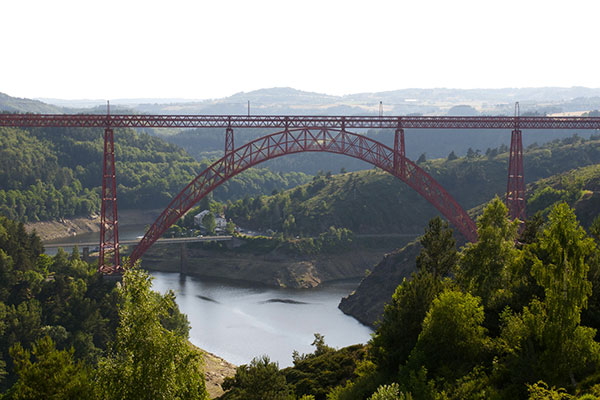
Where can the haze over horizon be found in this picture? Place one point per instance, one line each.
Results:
(207, 50)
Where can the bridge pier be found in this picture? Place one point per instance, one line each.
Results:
(229, 147)
(515, 189)
(108, 262)
(183, 257)
(399, 152)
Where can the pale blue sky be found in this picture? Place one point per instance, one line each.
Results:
(206, 49)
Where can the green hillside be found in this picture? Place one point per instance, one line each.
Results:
(373, 201)
(580, 188)
(56, 173)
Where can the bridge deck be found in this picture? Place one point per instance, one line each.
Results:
(136, 241)
(295, 121)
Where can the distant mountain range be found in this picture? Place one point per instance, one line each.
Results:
(546, 100)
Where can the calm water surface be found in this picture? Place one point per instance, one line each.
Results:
(239, 322)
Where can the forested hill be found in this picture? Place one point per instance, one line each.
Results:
(579, 188)
(375, 202)
(56, 173)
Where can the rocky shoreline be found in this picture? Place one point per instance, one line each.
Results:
(368, 301)
(216, 369)
(273, 269)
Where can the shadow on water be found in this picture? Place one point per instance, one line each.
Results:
(285, 301)
(207, 299)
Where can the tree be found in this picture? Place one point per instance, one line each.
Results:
(422, 158)
(453, 339)
(230, 227)
(546, 341)
(485, 264)
(452, 156)
(541, 391)
(289, 224)
(209, 223)
(438, 255)
(260, 380)
(52, 374)
(390, 392)
(402, 320)
(562, 272)
(146, 360)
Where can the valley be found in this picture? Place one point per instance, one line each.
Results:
(312, 232)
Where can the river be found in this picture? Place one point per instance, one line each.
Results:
(239, 322)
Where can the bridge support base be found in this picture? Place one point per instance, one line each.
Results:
(183, 257)
(515, 190)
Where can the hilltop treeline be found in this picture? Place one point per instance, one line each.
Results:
(67, 333)
(507, 317)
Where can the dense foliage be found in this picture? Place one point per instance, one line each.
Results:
(68, 333)
(507, 317)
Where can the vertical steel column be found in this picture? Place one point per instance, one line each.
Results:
(108, 262)
(399, 152)
(229, 150)
(515, 189)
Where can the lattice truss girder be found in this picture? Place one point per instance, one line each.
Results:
(295, 122)
(307, 140)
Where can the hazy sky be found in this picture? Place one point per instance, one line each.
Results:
(113, 49)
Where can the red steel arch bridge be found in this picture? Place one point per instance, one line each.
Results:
(296, 134)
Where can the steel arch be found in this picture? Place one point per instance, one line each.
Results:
(307, 140)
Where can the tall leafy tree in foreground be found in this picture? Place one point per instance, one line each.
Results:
(546, 341)
(147, 360)
(403, 316)
(485, 264)
(562, 271)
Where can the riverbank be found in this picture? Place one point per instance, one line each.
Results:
(216, 370)
(273, 269)
(64, 228)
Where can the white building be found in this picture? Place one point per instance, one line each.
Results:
(199, 217)
(221, 222)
